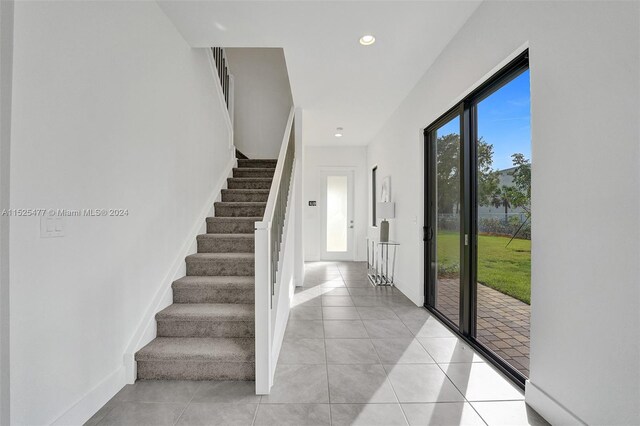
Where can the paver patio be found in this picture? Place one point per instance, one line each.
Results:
(503, 321)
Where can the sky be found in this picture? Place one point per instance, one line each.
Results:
(504, 120)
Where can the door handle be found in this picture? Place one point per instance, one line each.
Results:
(427, 233)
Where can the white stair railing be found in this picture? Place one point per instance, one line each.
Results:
(226, 79)
(268, 244)
(225, 86)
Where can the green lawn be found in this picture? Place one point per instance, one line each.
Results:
(506, 269)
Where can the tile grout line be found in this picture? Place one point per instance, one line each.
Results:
(466, 401)
(188, 403)
(386, 375)
(477, 412)
(104, 416)
(404, 414)
(326, 364)
(255, 413)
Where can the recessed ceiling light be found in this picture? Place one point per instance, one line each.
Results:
(367, 40)
(338, 132)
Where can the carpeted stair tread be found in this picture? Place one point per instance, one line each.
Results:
(210, 349)
(207, 312)
(215, 264)
(214, 281)
(249, 183)
(226, 243)
(246, 191)
(249, 179)
(248, 172)
(234, 219)
(214, 289)
(239, 208)
(261, 195)
(231, 224)
(225, 237)
(253, 163)
(241, 203)
(216, 256)
(272, 169)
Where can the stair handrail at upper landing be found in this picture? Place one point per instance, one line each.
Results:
(225, 79)
(268, 239)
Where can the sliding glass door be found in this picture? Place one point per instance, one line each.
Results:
(478, 218)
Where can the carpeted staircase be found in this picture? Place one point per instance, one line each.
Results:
(208, 331)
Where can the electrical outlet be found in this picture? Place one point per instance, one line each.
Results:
(51, 226)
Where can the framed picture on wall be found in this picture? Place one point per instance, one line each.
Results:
(385, 193)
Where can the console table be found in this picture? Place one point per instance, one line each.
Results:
(381, 262)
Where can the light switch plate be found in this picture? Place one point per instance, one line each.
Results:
(51, 226)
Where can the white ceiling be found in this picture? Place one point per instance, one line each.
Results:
(337, 82)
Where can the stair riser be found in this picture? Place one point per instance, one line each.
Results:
(248, 197)
(235, 211)
(257, 163)
(222, 267)
(214, 295)
(244, 227)
(231, 245)
(194, 370)
(171, 328)
(239, 184)
(251, 173)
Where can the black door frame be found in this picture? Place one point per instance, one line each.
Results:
(467, 111)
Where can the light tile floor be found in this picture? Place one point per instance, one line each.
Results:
(352, 355)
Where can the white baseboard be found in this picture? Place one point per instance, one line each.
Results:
(92, 401)
(146, 329)
(553, 412)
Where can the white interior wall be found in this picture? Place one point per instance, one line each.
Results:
(262, 99)
(111, 109)
(315, 159)
(6, 66)
(585, 84)
(406, 178)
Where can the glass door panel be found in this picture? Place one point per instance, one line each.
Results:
(503, 200)
(337, 213)
(445, 212)
(336, 237)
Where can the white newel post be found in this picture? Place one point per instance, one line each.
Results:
(263, 307)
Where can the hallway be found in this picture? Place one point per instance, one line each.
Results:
(352, 354)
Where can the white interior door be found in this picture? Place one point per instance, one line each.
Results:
(337, 215)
